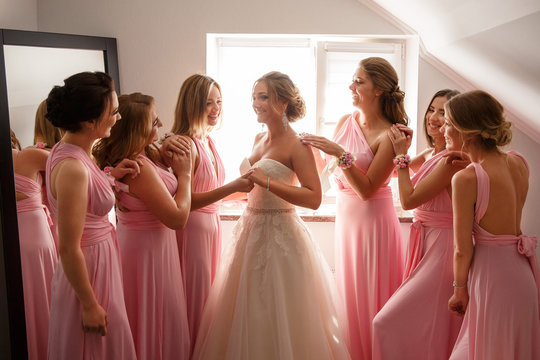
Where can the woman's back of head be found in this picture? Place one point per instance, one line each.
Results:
(385, 78)
(44, 130)
(479, 115)
(83, 97)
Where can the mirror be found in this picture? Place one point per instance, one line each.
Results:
(31, 63)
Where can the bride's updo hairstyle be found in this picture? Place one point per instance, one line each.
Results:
(282, 89)
(385, 79)
(84, 97)
(478, 114)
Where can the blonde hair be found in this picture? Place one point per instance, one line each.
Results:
(281, 88)
(44, 129)
(129, 136)
(385, 78)
(15, 144)
(478, 114)
(191, 105)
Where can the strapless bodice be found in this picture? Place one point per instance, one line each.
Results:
(259, 197)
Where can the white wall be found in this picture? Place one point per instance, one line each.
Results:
(18, 14)
(161, 43)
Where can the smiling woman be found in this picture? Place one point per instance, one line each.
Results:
(31, 53)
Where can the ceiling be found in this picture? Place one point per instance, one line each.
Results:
(486, 44)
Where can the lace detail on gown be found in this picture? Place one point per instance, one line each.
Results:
(273, 297)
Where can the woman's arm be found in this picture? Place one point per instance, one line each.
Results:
(239, 185)
(309, 193)
(173, 211)
(463, 202)
(71, 184)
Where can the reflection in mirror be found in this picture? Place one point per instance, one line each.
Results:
(31, 72)
(31, 63)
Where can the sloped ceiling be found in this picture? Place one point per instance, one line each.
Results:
(486, 44)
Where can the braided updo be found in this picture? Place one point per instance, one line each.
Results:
(477, 113)
(84, 97)
(281, 88)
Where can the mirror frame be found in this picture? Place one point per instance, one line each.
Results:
(12, 320)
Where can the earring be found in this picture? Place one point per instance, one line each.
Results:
(284, 119)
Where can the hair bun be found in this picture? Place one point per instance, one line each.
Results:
(55, 104)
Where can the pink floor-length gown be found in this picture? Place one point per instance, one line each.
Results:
(415, 323)
(38, 261)
(502, 320)
(153, 286)
(199, 243)
(273, 296)
(368, 255)
(67, 340)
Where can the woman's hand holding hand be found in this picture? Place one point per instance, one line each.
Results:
(126, 167)
(257, 176)
(243, 183)
(322, 143)
(458, 302)
(401, 137)
(94, 320)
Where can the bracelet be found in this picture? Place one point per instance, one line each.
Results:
(346, 160)
(268, 183)
(164, 136)
(454, 285)
(107, 170)
(402, 161)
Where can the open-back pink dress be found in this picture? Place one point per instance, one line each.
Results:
(415, 323)
(38, 261)
(502, 320)
(67, 340)
(368, 253)
(199, 243)
(153, 286)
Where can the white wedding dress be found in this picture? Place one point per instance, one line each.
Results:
(273, 296)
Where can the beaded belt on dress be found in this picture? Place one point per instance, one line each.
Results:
(270, 211)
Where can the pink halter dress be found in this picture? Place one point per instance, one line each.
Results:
(153, 287)
(502, 320)
(368, 253)
(67, 340)
(199, 242)
(38, 261)
(415, 323)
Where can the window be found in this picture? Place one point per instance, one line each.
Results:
(321, 67)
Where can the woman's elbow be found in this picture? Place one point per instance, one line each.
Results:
(179, 221)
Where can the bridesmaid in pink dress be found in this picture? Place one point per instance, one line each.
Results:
(38, 251)
(369, 256)
(415, 323)
(496, 277)
(198, 110)
(88, 317)
(151, 206)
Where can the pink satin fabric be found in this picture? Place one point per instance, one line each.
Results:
(368, 255)
(199, 243)
(67, 340)
(502, 320)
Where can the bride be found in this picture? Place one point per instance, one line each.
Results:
(273, 295)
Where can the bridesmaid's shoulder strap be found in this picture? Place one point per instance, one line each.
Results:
(482, 191)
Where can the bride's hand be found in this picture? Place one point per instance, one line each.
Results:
(258, 176)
